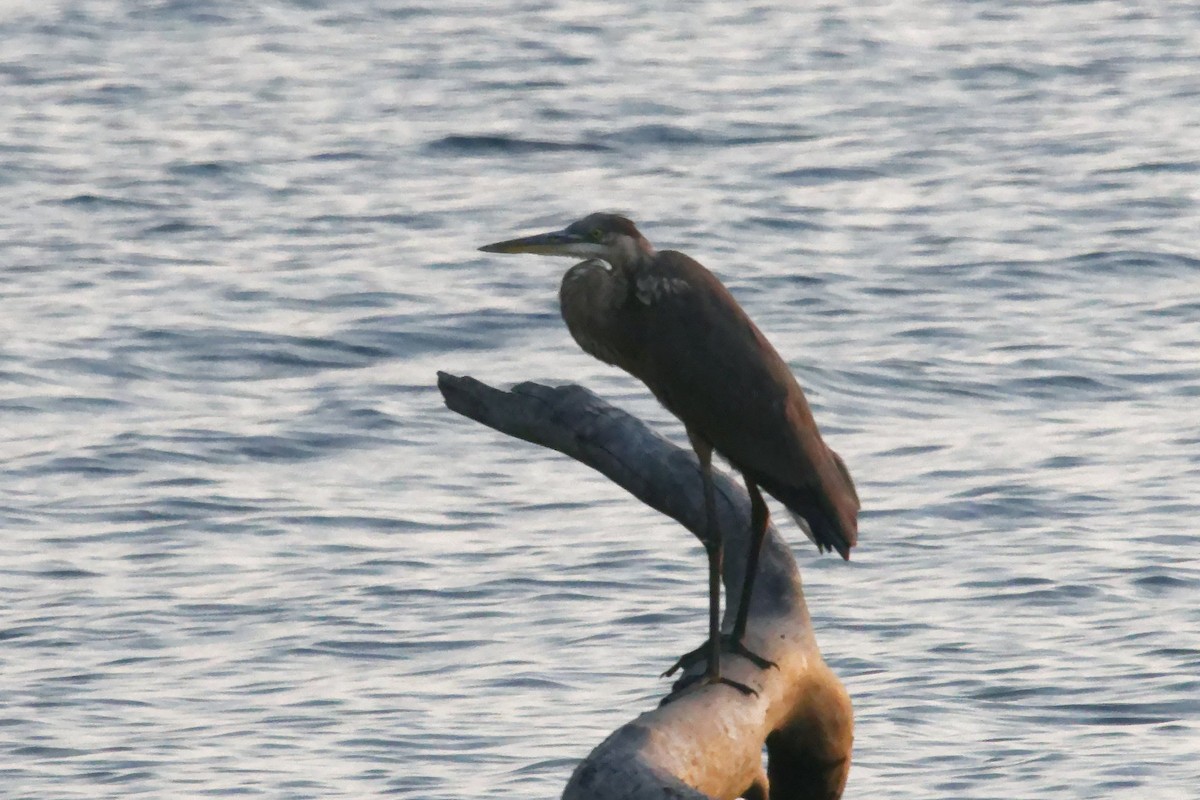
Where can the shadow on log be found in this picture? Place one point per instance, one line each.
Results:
(707, 742)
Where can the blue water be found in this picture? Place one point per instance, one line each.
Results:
(247, 550)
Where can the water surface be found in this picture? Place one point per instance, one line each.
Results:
(248, 551)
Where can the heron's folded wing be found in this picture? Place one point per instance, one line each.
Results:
(709, 364)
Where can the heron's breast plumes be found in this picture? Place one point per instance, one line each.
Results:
(589, 298)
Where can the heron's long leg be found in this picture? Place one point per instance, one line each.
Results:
(716, 553)
(758, 531)
(713, 546)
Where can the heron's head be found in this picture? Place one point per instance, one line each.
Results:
(610, 237)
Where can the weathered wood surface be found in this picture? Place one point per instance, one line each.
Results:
(707, 742)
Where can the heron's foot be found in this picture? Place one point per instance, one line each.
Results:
(745, 652)
(688, 681)
(687, 659)
(728, 645)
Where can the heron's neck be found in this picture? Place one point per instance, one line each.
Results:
(595, 289)
(591, 297)
(630, 255)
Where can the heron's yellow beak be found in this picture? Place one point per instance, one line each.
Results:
(556, 243)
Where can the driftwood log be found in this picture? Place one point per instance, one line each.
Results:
(708, 741)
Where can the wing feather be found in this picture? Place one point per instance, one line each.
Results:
(709, 364)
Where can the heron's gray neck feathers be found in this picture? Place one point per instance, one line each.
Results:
(590, 296)
(630, 254)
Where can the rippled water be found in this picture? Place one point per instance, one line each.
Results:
(247, 549)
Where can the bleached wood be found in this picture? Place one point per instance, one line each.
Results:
(707, 741)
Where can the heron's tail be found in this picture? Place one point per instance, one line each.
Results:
(827, 511)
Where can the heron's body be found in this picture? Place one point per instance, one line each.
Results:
(668, 321)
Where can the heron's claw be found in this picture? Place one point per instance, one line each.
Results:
(728, 645)
(745, 652)
(689, 681)
(686, 660)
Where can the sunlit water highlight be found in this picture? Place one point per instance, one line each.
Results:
(248, 551)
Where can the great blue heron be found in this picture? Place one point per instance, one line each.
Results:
(667, 320)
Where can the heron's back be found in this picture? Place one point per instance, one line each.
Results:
(709, 364)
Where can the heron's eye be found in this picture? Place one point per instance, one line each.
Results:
(596, 235)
